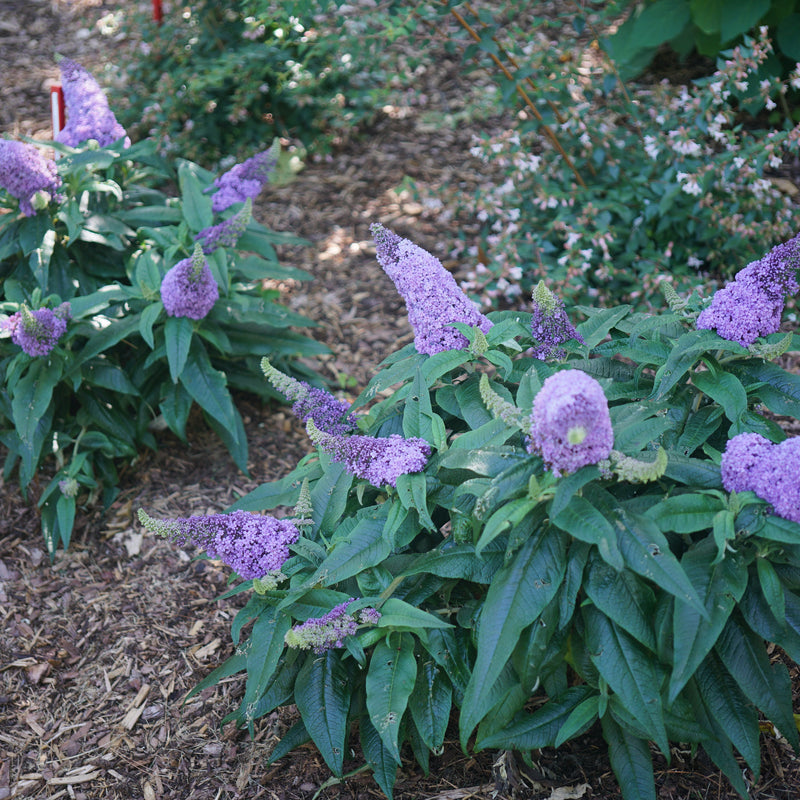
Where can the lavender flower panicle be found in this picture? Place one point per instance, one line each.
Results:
(189, 289)
(245, 180)
(379, 461)
(228, 232)
(570, 424)
(27, 175)
(550, 325)
(88, 112)
(431, 294)
(330, 630)
(37, 332)
(752, 304)
(253, 546)
(329, 414)
(752, 463)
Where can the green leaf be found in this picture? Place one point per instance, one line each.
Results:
(322, 696)
(412, 491)
(624, 598)
(149, 317)
(65, 513)
(766, 685)
(540, 729)
(579, 721)
(390, 680)
(296, 736)
(517, 596)
(206, 385)
(730, 708)
(265, 649)
(647, 552)
(772, 587)
(178, 339)
(686, 513)
(695, 472)
(725, 390)
(630, 671)
(720, 586)
(512, 515)
(196, 205)
(430, 704)
(600, 322)
(364, 547)
(31, 399)
(379, 757)
(399, 614)
(583, 521)
(660, 22)
(460, 562)
(630, 760)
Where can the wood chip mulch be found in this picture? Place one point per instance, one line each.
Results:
(99, 650)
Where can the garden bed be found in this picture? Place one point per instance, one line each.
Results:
(98, 650)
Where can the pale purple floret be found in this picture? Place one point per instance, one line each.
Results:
(743, 460)
(244, 180)
(25, 172)
(752, 463)
(37, 332)
(226, 233)
(379, 461)
(88, 113)
(432, 296)
(189, 289)
(570, 424)
(250, 544)
(751, 305)
(330, 630)
(550, 325)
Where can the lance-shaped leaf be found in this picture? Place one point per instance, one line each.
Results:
(322, 696)
(517, 596)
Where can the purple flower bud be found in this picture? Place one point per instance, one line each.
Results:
(189, 288)
(550, 325)
(88, 113)
(431, 294)
(330, 630)
(751, 305)
(37, 332)
(379, 461)
(329, 414)
(752, 463)
(245, 180)
(25, 172)
(570, 424)
(227, 233)
(251, 544)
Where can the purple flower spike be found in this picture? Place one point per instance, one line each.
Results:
(88, 113)
(431, 294)
(37, 332)
(751, 305)
(27, 175)
(328, 413)
(379, 461)
(330, 630)
(250, 544)
(550, 325)
(189, 288)
(570, 425)
(752, 463)
(227, 233)
(245, 180)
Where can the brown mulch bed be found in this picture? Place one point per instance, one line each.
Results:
(99, 649)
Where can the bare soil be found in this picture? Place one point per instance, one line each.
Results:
(99, 649)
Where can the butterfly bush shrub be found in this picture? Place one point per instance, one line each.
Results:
(122, 300)
(537, 526)
(661, 179)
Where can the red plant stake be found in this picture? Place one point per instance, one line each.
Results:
(158, 15)
(57, 114)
